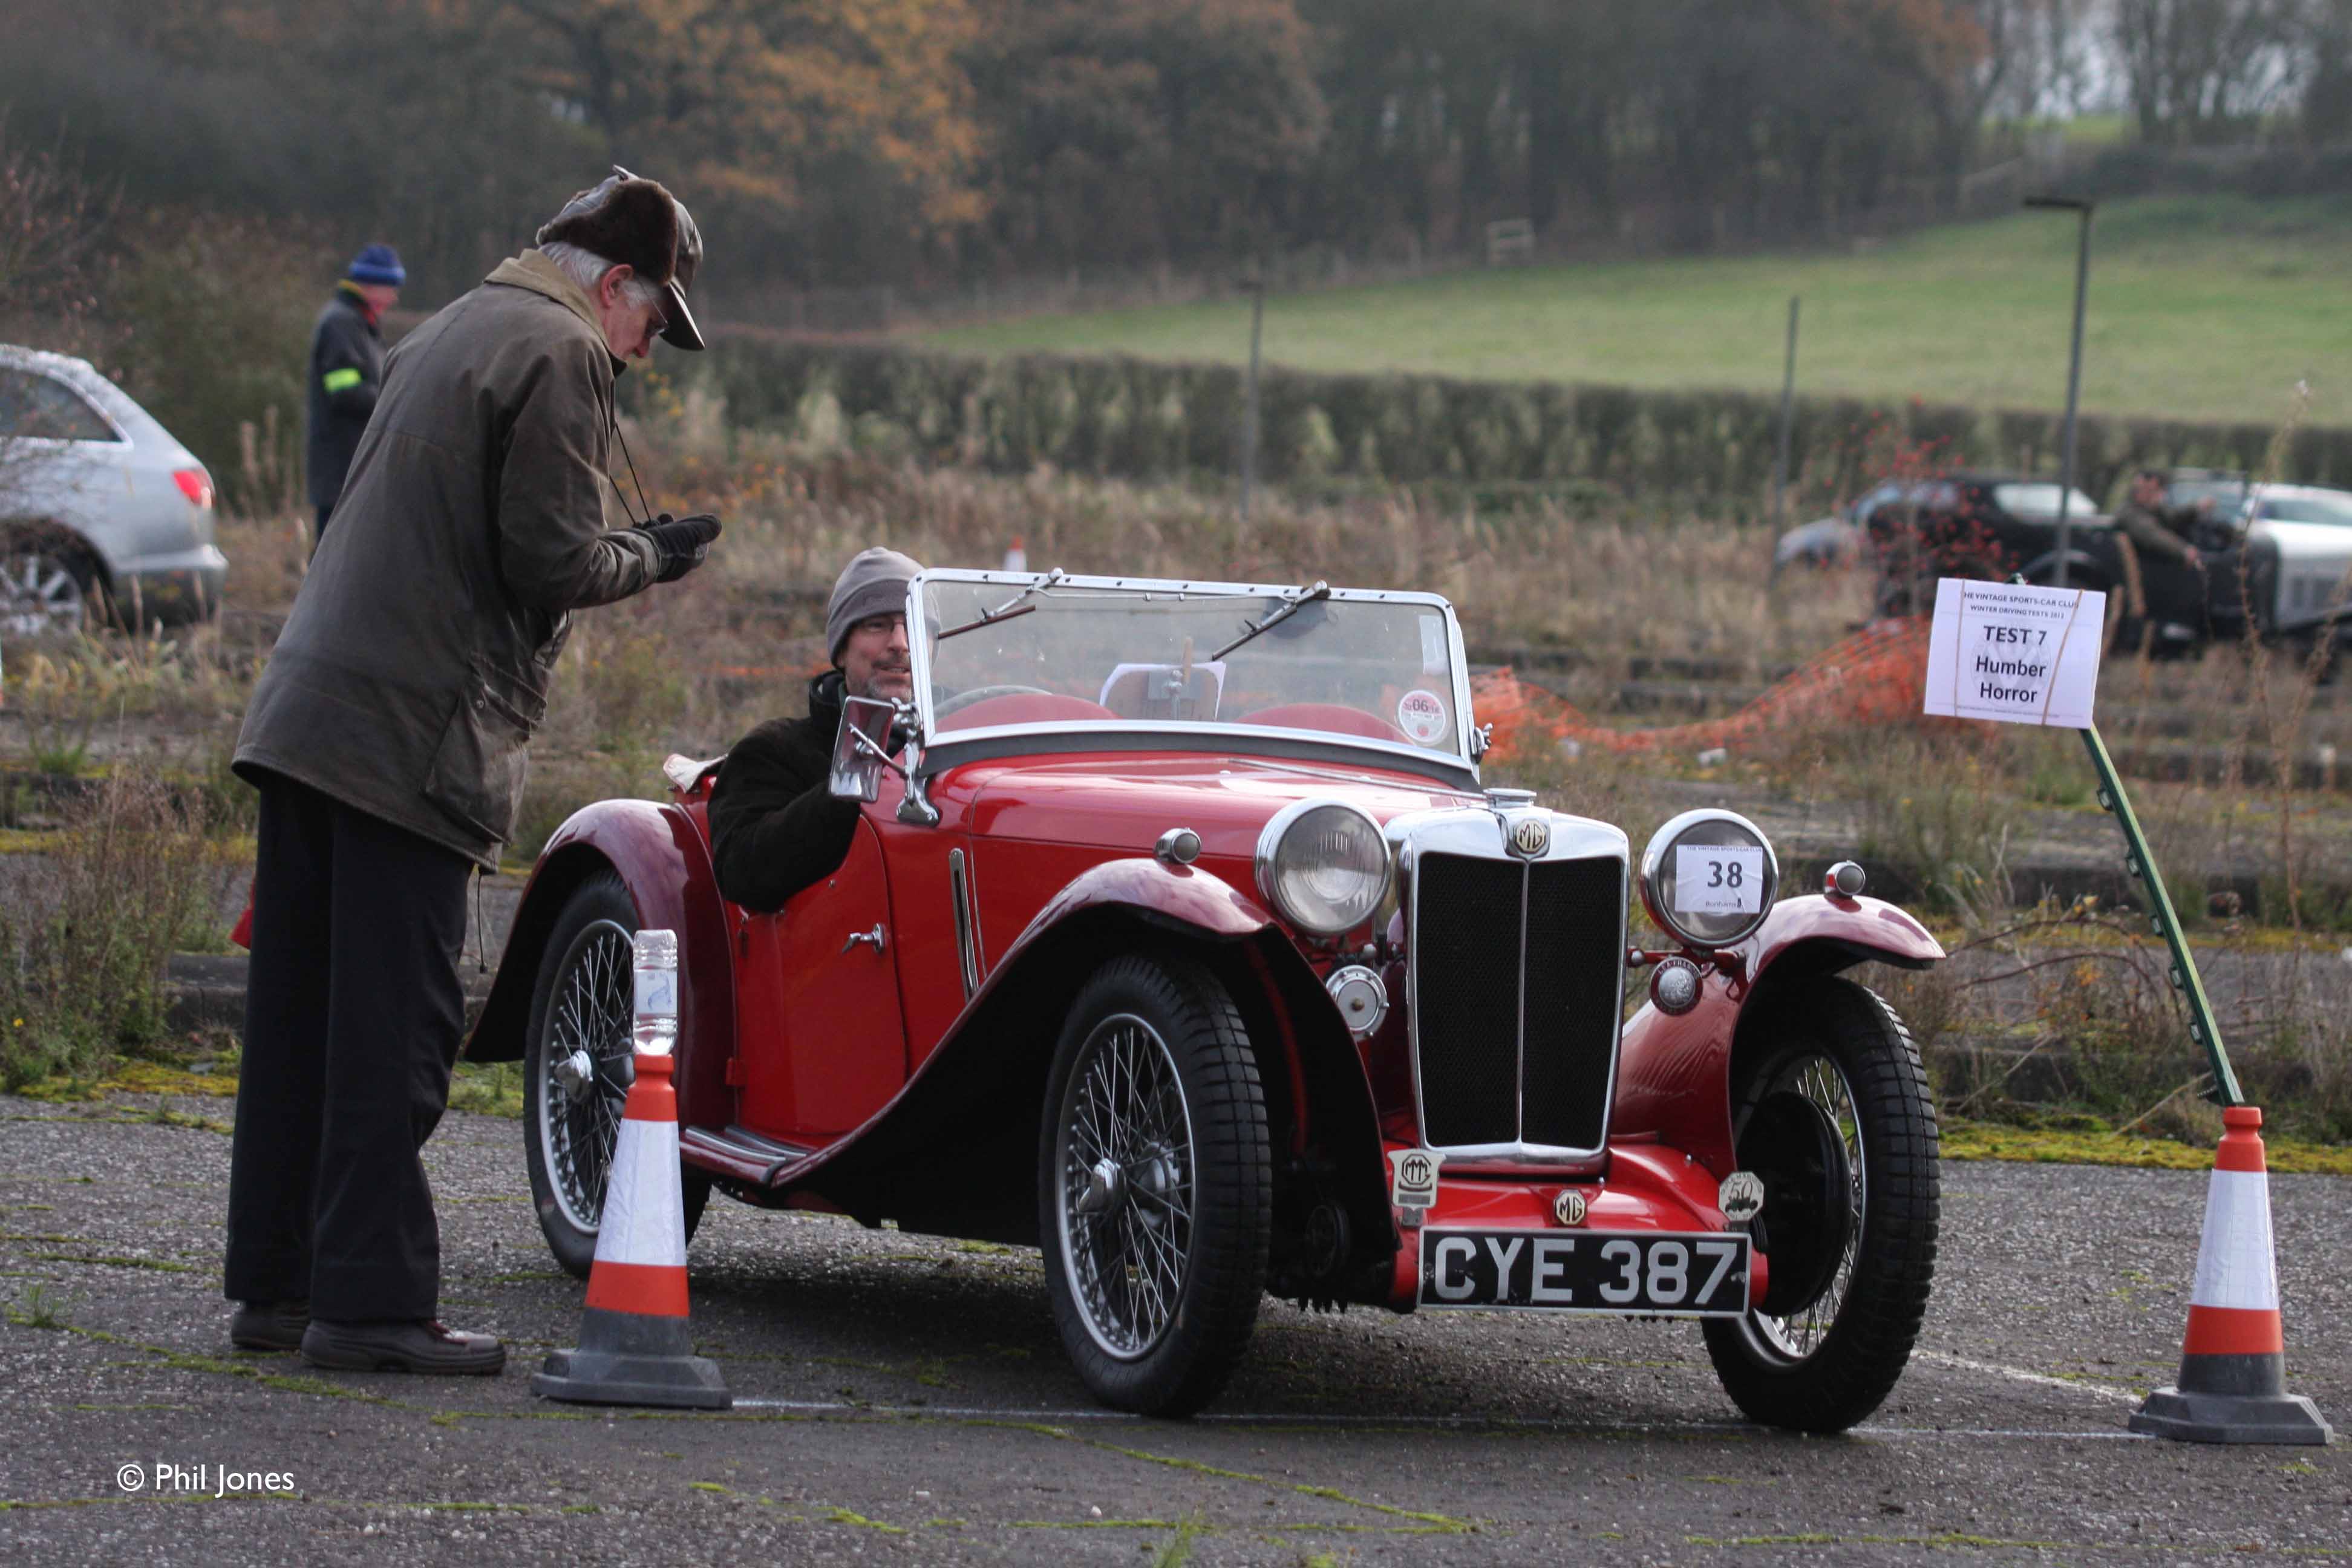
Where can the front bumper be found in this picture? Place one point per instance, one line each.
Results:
(1648, 1187)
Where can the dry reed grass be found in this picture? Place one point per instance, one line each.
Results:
(1952, 811)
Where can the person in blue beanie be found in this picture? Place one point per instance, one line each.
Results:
(347, 370)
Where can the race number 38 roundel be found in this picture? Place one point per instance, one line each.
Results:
(1422, 716)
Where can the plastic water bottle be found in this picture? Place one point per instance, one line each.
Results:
(656, 963)
(1016, 559)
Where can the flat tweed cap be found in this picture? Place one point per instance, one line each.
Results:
(638, 221)
(873, 583)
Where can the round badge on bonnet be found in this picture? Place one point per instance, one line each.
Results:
(1675, 985)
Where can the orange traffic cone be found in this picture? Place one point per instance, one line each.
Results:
(2233, 1384)
(635, 1347)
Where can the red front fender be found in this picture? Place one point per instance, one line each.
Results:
(660, 855)
(1674, 1074)
(1186, 895)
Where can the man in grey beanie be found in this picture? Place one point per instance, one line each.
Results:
(775, 827)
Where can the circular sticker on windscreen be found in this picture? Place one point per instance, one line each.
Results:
(1422, 715)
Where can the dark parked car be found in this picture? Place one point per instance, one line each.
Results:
(2278, 552)
(1991, 526)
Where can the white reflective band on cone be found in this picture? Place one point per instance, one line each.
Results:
(644, 1213)
(2233, 1257)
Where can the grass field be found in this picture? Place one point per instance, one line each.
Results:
(2209, 308)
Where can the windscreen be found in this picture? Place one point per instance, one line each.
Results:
(1005, 653)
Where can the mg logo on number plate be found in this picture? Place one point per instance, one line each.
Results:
(1568, 1206)
(1531, 837)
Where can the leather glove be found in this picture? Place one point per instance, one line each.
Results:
(684, 542)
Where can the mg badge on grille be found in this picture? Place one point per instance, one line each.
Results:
(1530, 836)
(1568, 1206)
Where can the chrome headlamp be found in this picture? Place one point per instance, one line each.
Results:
(1324, 865)
(1708, 878)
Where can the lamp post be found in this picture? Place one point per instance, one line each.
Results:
(1788, 410)
(2073, 367)
(1256, 283)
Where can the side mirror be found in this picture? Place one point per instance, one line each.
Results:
(862, 747)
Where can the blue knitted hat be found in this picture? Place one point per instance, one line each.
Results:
(377, 264)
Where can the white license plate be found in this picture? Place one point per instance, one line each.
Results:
(1701, 1275)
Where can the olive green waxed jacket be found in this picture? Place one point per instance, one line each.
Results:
(415, 663)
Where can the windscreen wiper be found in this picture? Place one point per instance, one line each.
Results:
(1007, 610)
(1293, 601)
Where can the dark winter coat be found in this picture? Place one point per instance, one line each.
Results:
(346, 375)
(2164, 531)
(774, 827)
(415, 664)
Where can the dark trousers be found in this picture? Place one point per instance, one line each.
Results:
(354, 1016)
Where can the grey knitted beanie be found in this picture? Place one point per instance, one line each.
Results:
(873, 583)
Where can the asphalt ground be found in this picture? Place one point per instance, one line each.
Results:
(905, 1399)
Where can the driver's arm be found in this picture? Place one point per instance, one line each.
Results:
(775, 826)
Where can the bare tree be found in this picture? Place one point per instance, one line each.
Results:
(52, 222)
(2200, 70)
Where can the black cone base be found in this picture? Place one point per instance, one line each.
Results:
(627, 1359)
(2185, 1417)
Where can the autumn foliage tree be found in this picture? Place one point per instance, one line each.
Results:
(927, 142)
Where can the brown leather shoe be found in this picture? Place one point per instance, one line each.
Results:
(410, 1345)
(269, 1325)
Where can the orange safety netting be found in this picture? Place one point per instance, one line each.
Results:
(1877, 676)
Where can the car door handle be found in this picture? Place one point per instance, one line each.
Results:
(877, 936)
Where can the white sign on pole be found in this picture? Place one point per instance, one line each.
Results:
(2017, 653)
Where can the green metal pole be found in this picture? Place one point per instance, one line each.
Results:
(2142, 865)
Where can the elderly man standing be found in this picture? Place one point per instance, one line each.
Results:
(775, 827)
(347, 370)
(387, 737)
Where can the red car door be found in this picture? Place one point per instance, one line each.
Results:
(823, 1041)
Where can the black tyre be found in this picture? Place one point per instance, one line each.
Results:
(1155, 1185)
(1835, 1117)
(578, 1062)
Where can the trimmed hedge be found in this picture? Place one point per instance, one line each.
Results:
(1150, 419)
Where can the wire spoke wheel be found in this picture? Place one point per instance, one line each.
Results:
(1830, 1111)
(1127, 1187)
(587, 1069)
(1155, 1185)
(579, 1061)
(1799, 1333)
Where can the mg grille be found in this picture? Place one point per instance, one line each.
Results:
(1516, 997)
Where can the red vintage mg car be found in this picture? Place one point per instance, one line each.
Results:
(1180, 940)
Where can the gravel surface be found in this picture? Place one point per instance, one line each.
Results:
(905, 1399)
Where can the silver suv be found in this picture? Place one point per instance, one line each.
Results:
(103, 516)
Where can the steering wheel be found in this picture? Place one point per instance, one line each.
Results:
(963, 700)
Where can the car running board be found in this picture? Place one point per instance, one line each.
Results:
(739, 1154)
